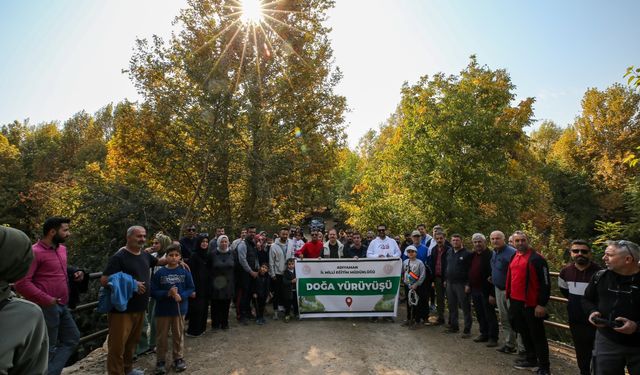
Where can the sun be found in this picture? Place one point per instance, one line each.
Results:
(251, 11)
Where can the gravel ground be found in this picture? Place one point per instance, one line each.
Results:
(335, 346)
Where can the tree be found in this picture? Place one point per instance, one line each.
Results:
(11, 180)
(248, 111)
(607, 130)
(450, 155)
(544, 138)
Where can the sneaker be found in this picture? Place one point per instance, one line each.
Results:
(191, 335)
(481, 338)
(161, 368)
(179, 365)
(542, 371)
(506, 350)
(465, 335)
(451, 330)
(259, 322)
(492, 343)
(275, 315)
(523, 364)
(136, 371)
(287, 319)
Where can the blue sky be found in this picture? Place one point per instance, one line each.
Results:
(60, 57)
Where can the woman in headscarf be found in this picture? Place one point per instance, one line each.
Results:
(222, 266)
(199, 306)
(24, 348)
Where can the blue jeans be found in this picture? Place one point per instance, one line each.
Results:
(63, 336)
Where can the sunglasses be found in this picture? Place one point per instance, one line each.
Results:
(191, 230)
(581, 251)
(628, 245)
(381, 230)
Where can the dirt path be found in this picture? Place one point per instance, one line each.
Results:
(334, 346)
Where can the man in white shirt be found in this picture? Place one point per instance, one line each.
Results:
(383, 246)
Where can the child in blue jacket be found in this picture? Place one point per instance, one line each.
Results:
(171, 286)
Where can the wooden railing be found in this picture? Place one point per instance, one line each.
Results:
(89, 307)
(557, 299)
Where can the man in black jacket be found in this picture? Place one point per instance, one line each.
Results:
(248, 272)
(572, 282)
(457, 284)
(356, 249)
(482, 289)
(438, 264)
(614, 296)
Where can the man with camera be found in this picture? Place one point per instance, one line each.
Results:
(573, 280)
(612, 300)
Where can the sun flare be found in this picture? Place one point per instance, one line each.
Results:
(252, 11)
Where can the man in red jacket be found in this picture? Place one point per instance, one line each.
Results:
(528, 290)
(46, 285)
(313, 248)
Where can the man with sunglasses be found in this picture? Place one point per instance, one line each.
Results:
(313, 248)
(612, 301)
(573, 281)
(383, 246)
(188, 242)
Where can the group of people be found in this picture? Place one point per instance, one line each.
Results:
(603, 305)
(172, 287)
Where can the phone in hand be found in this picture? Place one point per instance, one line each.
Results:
(607, 322)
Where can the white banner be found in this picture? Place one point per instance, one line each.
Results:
(348, 287)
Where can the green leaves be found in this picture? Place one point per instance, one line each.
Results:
(446, 155)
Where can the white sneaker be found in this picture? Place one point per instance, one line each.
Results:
(136, 371)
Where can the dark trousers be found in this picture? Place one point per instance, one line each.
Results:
(261, 302)
(486, 315)
(420, 311)
(612, 358)
(583, 336)
(458, 298)
(532, 330)
(220, 313)
(276, 288)
(198, 309)
(432, 295)
(237, 293)
(291, 302)
(63, 336)
(440, 292)
(245, 295)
